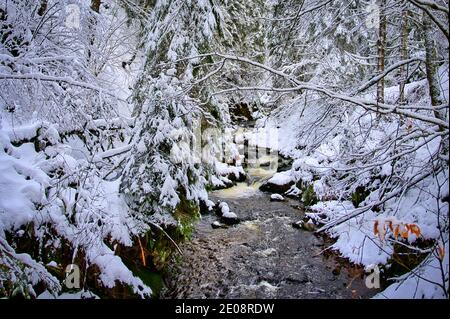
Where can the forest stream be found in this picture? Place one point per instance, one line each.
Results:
(263, 256)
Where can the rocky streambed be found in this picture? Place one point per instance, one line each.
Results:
(263, 256)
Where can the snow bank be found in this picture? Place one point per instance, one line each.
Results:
(276, 197)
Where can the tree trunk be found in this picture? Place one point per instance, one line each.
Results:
(432, 65)
(404, 54)
(95, 6)
(381, 47)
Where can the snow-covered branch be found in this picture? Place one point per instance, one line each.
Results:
(48, 78)
(388, 70)
(432, 4)
(373, 106)
(425, 5)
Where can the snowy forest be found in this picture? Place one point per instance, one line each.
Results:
(269, 149)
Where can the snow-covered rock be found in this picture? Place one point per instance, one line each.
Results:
(276, 198)
(309, 225)
(229, 215)
(279, 183)
(216, 224)
(226, 216)
(206, 206)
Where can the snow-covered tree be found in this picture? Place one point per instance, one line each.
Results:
(162, 180)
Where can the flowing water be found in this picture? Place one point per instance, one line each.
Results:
(261, 257)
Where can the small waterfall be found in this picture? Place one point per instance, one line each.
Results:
(258, 171)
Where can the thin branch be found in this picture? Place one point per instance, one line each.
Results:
(433, 5)
(167, 235)
(377, 78)
(439, 24)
